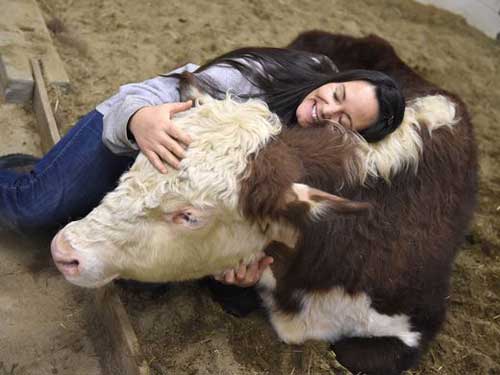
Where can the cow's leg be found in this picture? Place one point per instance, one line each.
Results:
(290, 327)
(376, 355)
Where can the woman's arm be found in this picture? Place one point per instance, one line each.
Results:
(143, 111)
(130, 98)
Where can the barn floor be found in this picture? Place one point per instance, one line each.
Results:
(107, 43)
(43, 319)
(183, 331)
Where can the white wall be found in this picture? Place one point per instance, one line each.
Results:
(482, 14)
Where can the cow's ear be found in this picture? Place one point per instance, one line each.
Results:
(189, 217)
(314, 202)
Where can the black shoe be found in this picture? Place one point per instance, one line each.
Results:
(152, 290)
(234, 300)
(21, 163)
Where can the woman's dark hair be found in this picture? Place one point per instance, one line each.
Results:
(285, 77)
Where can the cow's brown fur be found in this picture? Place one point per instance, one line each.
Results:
(329, 152)
(401, 253)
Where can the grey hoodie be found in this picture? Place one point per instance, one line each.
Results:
(118, 109)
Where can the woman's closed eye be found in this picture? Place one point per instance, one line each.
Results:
(336, 94)
(339, 96)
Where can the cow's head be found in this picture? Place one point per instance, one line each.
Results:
(191, 222)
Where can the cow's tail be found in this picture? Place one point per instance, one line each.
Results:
(376, 355)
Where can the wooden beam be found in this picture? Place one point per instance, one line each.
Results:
(47, 127)
(124, 350)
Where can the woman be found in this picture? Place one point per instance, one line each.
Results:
(302, 88)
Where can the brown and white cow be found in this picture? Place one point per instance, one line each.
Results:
(374, 284)
(186, 224)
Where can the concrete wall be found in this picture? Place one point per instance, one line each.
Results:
(482, 14)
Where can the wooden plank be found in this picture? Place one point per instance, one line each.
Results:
(16, 80)
(124, 349)
(47, 127)
(23, 36)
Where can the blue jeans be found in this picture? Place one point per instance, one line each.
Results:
(66, 184)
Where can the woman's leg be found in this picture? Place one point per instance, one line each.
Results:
(65, 184)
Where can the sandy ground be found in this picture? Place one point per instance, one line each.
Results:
(183, 331)
(43, 319)
(108, 43)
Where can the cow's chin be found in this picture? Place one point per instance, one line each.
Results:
(90, 282)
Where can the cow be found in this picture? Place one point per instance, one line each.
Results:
(363, 234)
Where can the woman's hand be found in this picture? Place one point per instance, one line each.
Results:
(246, 275)
(157, 136)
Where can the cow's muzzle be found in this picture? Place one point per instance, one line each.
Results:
(64, 256)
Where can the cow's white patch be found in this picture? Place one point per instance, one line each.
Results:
(401, 150)
(332, 315)
(317, 208)
(267, 281)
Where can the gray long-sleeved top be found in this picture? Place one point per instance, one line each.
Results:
(118, 109)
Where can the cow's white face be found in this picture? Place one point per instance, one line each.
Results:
(174, 241)
(185, 224)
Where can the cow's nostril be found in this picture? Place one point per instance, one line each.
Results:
(68, 267)
(64, 256)
(71, 263)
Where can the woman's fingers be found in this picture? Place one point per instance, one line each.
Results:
(174, 132)
(156, 161)
(246, 275)
(241, 272)
(180, 106)
(165, 142)
(229, 277)
(161, 155)
(168, 157)
(168, 150)
(264, 263)
(252, 273)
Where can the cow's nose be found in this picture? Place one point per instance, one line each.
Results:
(64, 256)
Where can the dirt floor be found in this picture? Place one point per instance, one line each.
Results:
(183, 331)
(106, 43)
(43, 319)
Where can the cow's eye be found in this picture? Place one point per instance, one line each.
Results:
(189, 217)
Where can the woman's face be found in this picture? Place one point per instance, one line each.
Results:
(352, 104)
